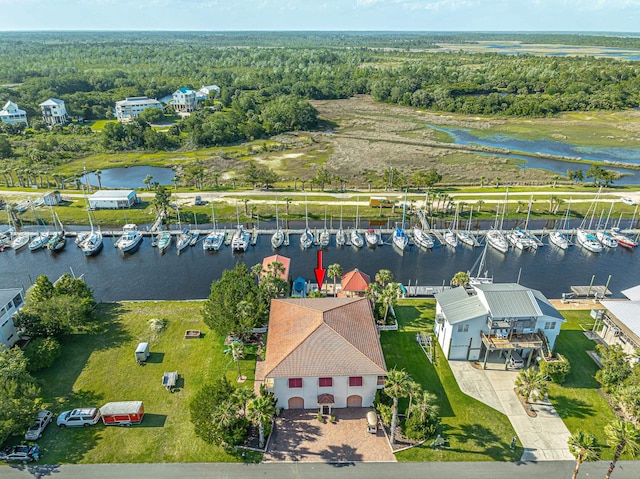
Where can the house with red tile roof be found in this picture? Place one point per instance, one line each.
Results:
(354, 283)
(276, 258)
(323, 353)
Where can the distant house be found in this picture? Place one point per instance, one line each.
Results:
(209, 91)
(11, 300)
(184, 100)
(54, 112)
(11, 114)
(113, 199)
(496, 317)
(323, 353)
(354, 284)
(620, 322)
(276, 258)
(130, 108)
(52, 198)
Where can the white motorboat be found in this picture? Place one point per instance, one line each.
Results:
(356, 239)
(559, 239)
(497, 240)
(622, 239)
(422, 239)
(163, 241)
(240, 240)
(130, 238)
(39, 241)
(607, 239)
(371, 237)
(400, 239)
(588, 241)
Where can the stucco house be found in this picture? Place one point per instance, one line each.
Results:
(507, 317)
(11, 114)
(323, 353)
(54, 112)
(619, 323)
(11, 300)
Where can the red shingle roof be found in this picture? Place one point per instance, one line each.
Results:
(355, 280)
(318, 337)
(276, 258)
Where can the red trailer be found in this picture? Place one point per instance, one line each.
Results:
(123, 413)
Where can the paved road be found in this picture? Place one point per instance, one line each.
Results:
(453, 470)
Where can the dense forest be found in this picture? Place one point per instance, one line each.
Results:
(266, 78)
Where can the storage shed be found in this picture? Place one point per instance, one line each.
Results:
(123, 413)
(113, 199)
(52, 198)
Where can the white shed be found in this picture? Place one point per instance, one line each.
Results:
(113, 199)
(52, 198)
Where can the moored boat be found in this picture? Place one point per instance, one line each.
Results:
(496, 239)
(184, 239)
(325, 238)
(400, 239)
(39, 241)
(130, 238)
(341, 237)
(559, 239)
(20, 240)
(422, 239)
(163, 240)
(606, 239)
(240, 240)
(371, 237)
(622, 239)
(588, 241)
(466, 237)
(306, 239)
(92, 244)
(213, 241)
(57, 242)
(356, 239)
(277, 239)
(451, 239)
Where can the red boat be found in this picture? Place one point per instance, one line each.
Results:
(623, 240)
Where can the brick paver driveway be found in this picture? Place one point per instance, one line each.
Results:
(299, 436)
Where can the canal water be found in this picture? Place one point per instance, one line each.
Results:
(146, 274)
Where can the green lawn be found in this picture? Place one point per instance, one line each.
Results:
(475, 431)
(579, 401)
(100, 367)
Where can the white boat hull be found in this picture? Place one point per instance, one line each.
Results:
(588, 241)
(497, 241)
(356, 239)
(559, 239)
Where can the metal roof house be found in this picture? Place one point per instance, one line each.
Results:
(11, 114)
(130, 108)
(620, 322)
(113, 199)
(54, 112)
(184, 100)
(323, 353)
(11, 300)
(495, 317)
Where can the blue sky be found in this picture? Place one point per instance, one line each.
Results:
(421, 15)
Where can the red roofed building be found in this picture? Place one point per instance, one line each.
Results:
(276, 258)
(323, 353)
(354, 284)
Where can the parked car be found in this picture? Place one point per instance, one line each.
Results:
(198, 201)
(87, 416)
(22, 453)
(38, 427)
(628, 201)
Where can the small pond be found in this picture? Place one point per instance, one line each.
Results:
(131, 177)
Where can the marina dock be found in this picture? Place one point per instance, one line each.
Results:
(596, 291)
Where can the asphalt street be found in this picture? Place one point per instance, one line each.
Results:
(453, 470)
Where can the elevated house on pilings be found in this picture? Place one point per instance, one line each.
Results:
(505, 318)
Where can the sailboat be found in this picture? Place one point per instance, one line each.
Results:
(478, 279)
(605, 237)
(341, 237)
(584, 237)
(278, 237)
(306, 239)
(495, 237)
(93, 243)
(184, 238)
(325, 236)
(371, 237)
(450, 237)
(465, 236)
(559, 238)
(58, 240)
(215, 239)
(41, 239)
(422, 238)
(400, 238)
(356, 237)
(240, 239)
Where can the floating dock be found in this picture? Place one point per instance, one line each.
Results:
(595, 291)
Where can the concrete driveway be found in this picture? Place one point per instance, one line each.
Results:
(544, 437)
(300, 437)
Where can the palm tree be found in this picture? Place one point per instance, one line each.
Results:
(460, 279)
(480, 203)
(334, 271)
(295, 183)
(236, 349)
(261, 410)
(531, 384)
(383, 277)
(98, 174)
(585, 448)
(244, 396)
(389, 296)
(482, 180)
(498, 181)
(396, 386)
(622, 435)
(246, 206)
(287, 202)
(425, 405)
(414, 390)
(147, 181)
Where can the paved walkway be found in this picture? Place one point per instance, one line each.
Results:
(544, 437)
(300, 437)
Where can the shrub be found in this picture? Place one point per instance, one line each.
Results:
(556, 369)
(418, 430)
(41, 353)
(386, 413)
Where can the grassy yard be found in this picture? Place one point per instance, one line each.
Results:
(579, 401)
(475, 431)
(100, 367)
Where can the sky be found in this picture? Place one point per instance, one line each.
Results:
(378, 15)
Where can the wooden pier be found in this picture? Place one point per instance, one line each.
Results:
(596, 291)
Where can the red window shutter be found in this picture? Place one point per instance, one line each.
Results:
(325, 382)
(295, 382)
(355, 381)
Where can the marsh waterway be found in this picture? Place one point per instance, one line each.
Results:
(146, 274)
(630, 156)
(131, 177)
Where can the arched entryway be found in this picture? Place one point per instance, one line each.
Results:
(354, 401)
(296, 403)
